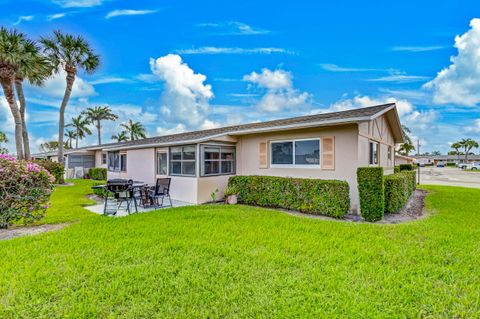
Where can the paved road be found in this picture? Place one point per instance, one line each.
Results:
(449, 176)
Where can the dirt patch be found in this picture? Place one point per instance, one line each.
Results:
(96, 198)
(16, 232)
(64, 184)
(413, 210)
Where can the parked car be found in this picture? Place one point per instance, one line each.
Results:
(462, 165)
(440, 164)
(474, 166)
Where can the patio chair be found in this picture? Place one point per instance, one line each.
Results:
(162, 190)
(118, 192)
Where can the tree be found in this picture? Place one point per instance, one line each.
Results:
(136, 130)
(80, 126)
(3, 139)
(68, 53)
(120, 137)
(456, 146)
(406, 147)
(12, 54)
(468, 144)
(70, 135)
(51, 146)
(97, 114)
(436, 153)
(35, 68)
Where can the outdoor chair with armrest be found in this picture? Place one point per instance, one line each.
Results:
(162, 190)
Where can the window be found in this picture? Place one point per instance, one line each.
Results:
(162, 163)
(389, 153)
(373, 153)
(104, 158)
(117, 162)
(217, 160)
(182, 160)
(296, 153)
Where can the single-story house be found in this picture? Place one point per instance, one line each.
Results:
(323, 146)
(402, 159)
(434, 159)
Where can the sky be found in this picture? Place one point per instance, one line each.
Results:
(186, 65)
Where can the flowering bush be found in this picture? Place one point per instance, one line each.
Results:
(55, 168)
(25, 189)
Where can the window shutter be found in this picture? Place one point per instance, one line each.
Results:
(262, 151)
(328, 153)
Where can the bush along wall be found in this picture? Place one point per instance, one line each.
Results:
(313, 196)
(398, 188)
(371, 192)
(54, 168)
(98, 174)
(406, 167)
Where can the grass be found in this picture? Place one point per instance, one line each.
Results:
(237, 261)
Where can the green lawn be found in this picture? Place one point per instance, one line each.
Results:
(237, 261)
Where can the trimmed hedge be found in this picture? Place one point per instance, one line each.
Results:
(406, 167)
(398, 188)
(312, 196)
(396, 169)
(54, 168)
(99, 174)
(371, 192)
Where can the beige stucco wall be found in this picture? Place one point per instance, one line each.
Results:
(207, 185)
(377, 130)
(346, 138)
(98, 159)
(140, 166)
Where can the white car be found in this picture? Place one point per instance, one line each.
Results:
(474, 166)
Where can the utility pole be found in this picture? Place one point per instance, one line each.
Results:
(418, 165)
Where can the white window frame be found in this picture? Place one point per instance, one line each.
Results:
(156, 162)
(370, 155)
(313, 166)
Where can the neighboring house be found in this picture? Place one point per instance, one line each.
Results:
(402, 159)
(434, 159)
(323, 146)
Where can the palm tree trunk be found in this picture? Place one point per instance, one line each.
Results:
(61, 123)
(99, 134)
(23, 105)
(466, 155)
(7, 86)
(76, 140)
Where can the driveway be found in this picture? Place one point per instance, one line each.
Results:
(449, 176)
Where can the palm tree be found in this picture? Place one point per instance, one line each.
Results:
(136, 130)
(97, 114)
(69, 53)
(120, 137)
(468, 144)
(35, 69)
(12, 55)
(80, 125)
(457, 146)
(406, 148)
(70, 135)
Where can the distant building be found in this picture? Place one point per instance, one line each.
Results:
(434, 159)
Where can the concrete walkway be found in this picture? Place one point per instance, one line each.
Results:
(98, 208)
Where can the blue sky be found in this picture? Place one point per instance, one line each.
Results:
(189, 65)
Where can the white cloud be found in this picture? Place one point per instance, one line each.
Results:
(23, 18)
(56, 16)
(233, 28)
(179, 128)
(128, 12)
(459, 83)
(408, 113)
(109, 79)
(279, 92)
(185, 98)
(417, 48)
(55, 87)
(6, 118)
(336, 68)
(400, 78)
(224, 50)
(78, 3)
(475, 128)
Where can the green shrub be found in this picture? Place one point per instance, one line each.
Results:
(396, 169)
(312, 196)
(406, 167)
(99, 191)
(230, 190)
(54, 168)
(371, 192)
(451, 164)
(398, 188)
(97, 173)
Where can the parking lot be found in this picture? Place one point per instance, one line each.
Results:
(449, 176)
